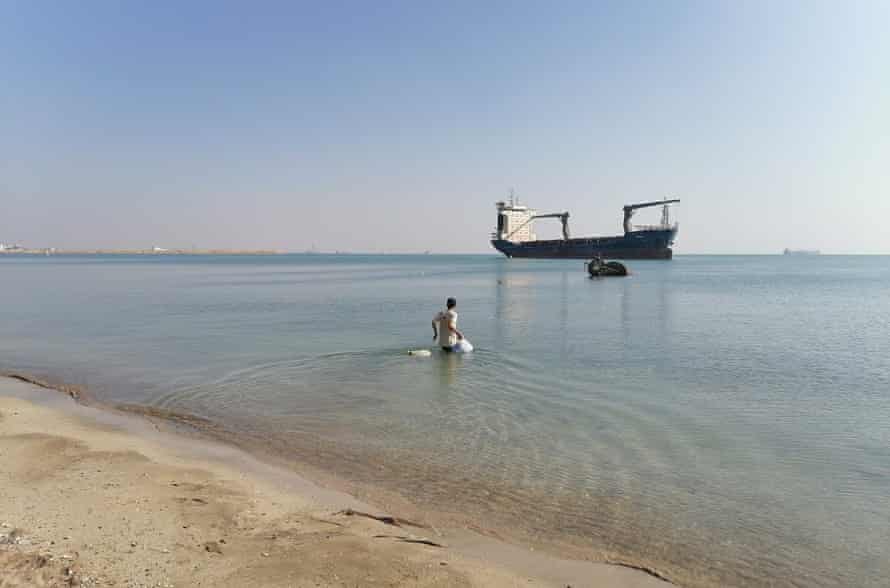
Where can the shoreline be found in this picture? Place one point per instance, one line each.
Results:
(50, 251)
(267, 516)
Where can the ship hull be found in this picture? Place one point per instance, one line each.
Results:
(648, 244)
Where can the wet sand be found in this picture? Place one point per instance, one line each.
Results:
(94, 497)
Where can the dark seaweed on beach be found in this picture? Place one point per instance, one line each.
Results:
(388, 520)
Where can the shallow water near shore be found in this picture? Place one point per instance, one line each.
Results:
(724, 420)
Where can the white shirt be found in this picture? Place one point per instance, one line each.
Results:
(444, 319)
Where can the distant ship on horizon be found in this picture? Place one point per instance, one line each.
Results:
(801, 252)
(515, 236)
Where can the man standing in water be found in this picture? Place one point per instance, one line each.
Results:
(445, 326)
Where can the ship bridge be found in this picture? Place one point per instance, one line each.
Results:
(515, 222)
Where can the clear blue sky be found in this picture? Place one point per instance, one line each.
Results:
(394, 126)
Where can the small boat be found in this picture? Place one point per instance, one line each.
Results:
(597, 268)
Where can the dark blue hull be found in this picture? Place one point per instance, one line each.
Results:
(645, 244)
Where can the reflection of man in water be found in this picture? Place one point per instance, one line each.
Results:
(445, 326)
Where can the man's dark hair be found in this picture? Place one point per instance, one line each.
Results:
(450, 303)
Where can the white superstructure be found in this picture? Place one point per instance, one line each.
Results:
(515, 222)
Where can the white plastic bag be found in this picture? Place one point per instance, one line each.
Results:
(462, 346)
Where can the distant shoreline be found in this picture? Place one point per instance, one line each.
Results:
(258, 252)
(51, 251)
(139, 252)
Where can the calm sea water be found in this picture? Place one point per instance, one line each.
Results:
(725, 420)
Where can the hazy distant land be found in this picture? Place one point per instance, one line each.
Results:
(153, 251)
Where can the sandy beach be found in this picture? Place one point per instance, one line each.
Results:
(92, 497)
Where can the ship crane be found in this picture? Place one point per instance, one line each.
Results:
(562, 216)
(630, 209)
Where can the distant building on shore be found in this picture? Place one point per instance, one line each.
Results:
(801, 252)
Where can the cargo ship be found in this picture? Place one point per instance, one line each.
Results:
(515, 235)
